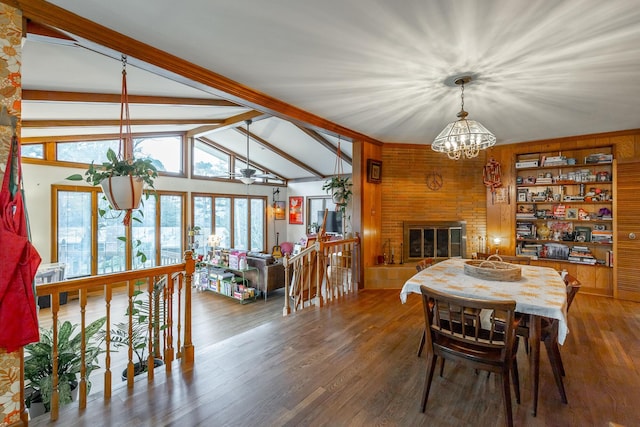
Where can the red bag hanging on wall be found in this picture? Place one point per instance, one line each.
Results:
(19, 262)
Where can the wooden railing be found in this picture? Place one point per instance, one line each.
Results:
(170, 342)
(325, 271)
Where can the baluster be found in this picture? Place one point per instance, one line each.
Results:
(130, 367)
(151, 289)
(55, 394)
(168, 316)
(179, 328)
(108, 295)
(82, 390)
(287, 283)
(188, 344)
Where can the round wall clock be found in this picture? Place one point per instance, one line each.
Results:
(434, 181)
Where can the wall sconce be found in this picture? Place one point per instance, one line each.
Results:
(496, 243)
(278, 207)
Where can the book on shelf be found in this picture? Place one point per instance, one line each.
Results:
(544, 181)
(527, 164)
(599, 158)
(602, 236)
(582, 260)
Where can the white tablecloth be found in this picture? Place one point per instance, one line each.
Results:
(541, 291)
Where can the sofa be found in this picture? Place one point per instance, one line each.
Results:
(271, 271)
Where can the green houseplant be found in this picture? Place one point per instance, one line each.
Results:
(38, 361)
(140, 318)
(340, 189)
(122, 180)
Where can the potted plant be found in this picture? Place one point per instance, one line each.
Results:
(122, 180)
(140, 328)
(38, 362)
(340, 189)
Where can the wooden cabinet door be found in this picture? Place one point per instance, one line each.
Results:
(627, 223)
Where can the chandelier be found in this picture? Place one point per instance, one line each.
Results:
(463, 138)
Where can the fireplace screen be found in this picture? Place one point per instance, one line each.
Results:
(434, 240)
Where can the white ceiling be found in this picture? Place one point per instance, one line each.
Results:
(544, 68)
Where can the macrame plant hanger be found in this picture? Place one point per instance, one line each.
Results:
(337, 170)
(125, 147)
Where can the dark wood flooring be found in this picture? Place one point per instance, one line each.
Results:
(354, 364)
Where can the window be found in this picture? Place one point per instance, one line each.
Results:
(203, 218)
(167, 151)
(158, 237)
(112, 252)
(85, 152)
(34, 151)
(171, 229)
(239, 222)
(315, 205)
(74, 232)
(209, 161)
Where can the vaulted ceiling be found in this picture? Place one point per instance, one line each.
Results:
(542, 69)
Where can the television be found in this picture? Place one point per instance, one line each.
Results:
(334, 221)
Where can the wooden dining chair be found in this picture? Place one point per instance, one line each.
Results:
(452, 338)
(472, 316)
(425, 263)
(549, 336)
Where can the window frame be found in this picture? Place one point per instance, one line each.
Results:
(232, 213)
(51, 149)
(96, 193)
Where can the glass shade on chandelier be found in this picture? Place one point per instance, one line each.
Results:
(463, 138)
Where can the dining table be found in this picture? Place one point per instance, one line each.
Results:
(540, 292)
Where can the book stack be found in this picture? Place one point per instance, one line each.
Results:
(581, 255)
(526, 230)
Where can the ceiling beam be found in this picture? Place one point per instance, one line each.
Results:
(227, 123)
(325, 143)
(113, 44)
(279, 152)
(59, 96)
(92, 122)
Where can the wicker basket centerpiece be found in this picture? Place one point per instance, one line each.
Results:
(493, 268)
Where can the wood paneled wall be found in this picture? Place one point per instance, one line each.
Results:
(370, 196)
(406, 196)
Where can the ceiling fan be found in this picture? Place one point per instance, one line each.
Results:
(247, 175)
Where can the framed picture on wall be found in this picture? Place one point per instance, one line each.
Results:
(296, 210)
(374, 171)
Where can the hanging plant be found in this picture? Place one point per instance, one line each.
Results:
(340, 189)
(122, 177)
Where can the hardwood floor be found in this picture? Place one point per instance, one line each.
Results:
(355, 364)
